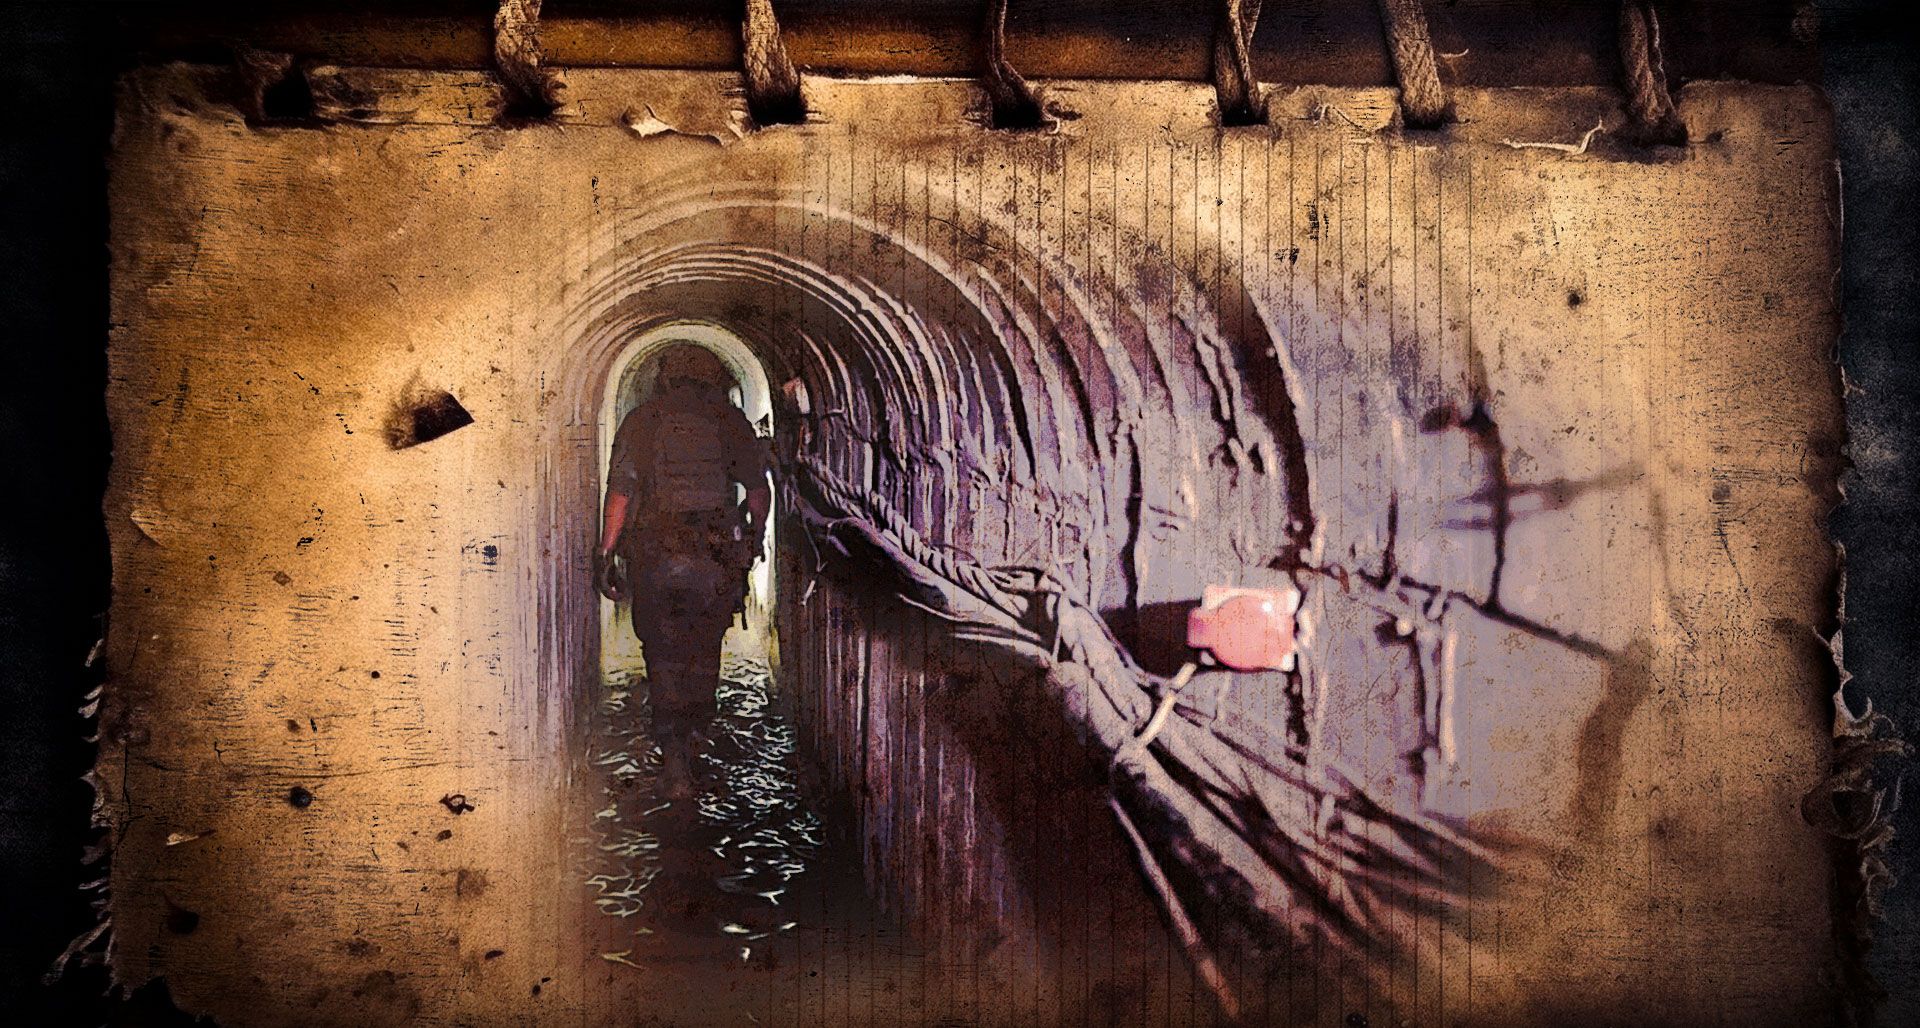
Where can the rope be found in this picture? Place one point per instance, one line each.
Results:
(1015, 104)
(1241, 101)
(531, 90)
(1423, 97)
(258, 71)
(1650, 114)
(773, 86)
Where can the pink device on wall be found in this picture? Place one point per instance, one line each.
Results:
(1246, 629)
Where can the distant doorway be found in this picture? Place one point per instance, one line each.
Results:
(631, 382)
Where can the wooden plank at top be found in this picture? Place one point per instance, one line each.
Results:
(1490, 42)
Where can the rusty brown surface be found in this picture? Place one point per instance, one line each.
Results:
(1569, 414)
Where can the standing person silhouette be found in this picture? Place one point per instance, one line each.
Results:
(678, 539)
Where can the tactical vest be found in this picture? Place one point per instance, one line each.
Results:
(686, 468)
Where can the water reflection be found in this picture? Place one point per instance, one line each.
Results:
(725, 871)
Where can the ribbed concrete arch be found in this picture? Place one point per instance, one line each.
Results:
(1108, 415)
(943, 366)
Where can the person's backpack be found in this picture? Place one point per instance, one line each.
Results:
(686, 467)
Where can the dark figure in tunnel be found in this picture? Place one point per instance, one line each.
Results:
(677, 538)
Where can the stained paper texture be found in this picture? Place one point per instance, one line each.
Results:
(1543, 436)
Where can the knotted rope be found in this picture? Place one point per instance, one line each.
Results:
(1423, 97)
(261, 72)
(773, 85)
(1015, 104)
(1241, 101)
(531, 92)
(1650, 114)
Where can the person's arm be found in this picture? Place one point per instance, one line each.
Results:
(759, 502)
(613, 518)
(759, 492)
(749, 468)
(606, 567)
(622, 482)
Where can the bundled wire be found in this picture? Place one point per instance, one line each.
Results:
(1234, 830)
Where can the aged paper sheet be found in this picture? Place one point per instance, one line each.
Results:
(1542, 428)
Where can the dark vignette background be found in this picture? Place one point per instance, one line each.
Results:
(1871, 68)
(57, 65)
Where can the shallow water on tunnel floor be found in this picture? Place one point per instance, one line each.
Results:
(732, 874)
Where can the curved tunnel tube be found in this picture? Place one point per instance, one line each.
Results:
(947, 368)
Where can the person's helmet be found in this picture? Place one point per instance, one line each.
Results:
(693, 365)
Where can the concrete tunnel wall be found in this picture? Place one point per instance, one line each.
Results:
(1146, 358)
(1007, 415)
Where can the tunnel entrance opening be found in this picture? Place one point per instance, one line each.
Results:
(633, 379)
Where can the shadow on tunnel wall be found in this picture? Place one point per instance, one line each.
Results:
(1029, 882)
(1155, 633)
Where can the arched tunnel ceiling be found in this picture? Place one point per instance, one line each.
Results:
(976, 352)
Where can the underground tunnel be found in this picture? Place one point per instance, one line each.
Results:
(929, 419)
(1041, 406)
